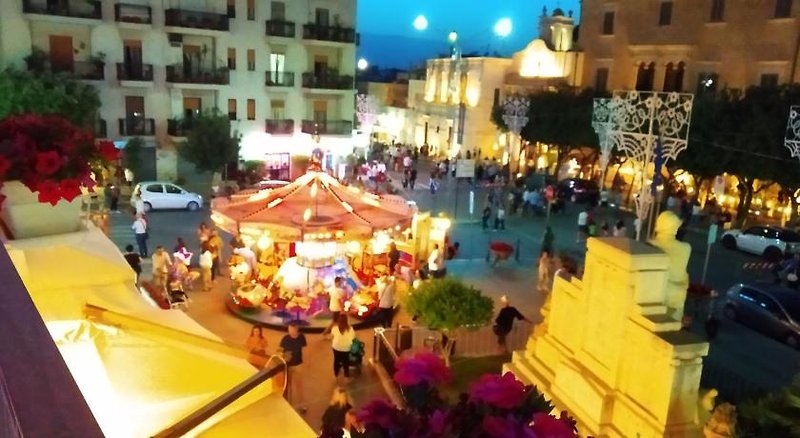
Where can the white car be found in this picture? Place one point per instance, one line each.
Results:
(158, 195)
(771, 242)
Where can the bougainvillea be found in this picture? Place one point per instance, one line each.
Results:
(50, 155)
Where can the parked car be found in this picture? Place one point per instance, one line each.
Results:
(769, 308)
(578, 190)
(158, 195)
(771, 242)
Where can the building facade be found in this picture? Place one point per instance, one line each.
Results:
(689, 45)
(282, 70)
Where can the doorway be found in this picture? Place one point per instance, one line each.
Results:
(191, 107)
(134, 115)
(61, 53)
(132, 57)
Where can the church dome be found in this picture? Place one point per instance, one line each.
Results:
(557, 12)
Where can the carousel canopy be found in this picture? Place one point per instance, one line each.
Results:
(314, 205)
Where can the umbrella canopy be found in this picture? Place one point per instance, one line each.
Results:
(314, 205)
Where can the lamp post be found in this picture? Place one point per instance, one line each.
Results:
(515, 116)
(649, 127)
(602, 124)
(367, 113)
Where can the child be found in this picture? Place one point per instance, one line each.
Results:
(206, 263)
(134, 261)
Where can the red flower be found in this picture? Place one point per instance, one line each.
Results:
(549, 426)
(509, 427)
(49, 191)
(379, 412)
(48, 163)
(108, 151)
(422, 367)
(70, 189)
(438, 422)
(505, 392)
(5, 164)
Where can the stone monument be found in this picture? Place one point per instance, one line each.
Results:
(678, 252)
(610, 352)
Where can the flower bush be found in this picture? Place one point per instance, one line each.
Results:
(497, 406)
(50, 155)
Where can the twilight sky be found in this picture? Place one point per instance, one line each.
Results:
(388, 37)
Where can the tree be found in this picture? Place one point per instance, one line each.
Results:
(777, 414)
(48, 93)
(210, 145)
(447, 304)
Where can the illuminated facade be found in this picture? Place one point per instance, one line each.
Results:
(281, 70)
(690, 46)
(450, 111)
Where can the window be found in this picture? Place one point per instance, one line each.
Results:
(608, 23)
(717, 11)
(320, 111)
(645, 76)
(601, 79)
(278, 11)
(173, 189)
(232, 109)
(231, 8)
(769, 80)
(231, 59)
(251, 10)
(323, 17)
(278, 109)
(673, 77)
(251, 109)
(665, 14)
(155, 188)
(251, 59)
(707, 82)
(783, 8)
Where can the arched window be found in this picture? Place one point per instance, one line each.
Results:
(673, 77)
(644, 76)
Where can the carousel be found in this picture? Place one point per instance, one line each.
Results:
(294, 241)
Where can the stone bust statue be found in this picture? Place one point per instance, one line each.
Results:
(667, 225)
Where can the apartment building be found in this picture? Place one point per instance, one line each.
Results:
(282, 70)
(689, 45)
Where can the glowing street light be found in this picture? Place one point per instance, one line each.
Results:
(503, 27)
(452, 37)
(420, 23)
(362, 64)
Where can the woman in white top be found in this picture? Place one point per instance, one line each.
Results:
(343, 336)
(138, 203)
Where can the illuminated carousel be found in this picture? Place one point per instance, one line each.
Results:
(304, 235)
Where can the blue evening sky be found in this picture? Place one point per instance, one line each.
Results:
(388, 37)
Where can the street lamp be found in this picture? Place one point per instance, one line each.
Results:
(515, 116)
(649, 127)
(420, 23)
(503, 27)
(362, 64)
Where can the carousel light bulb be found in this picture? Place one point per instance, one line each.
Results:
(307, 214)
(264, 242)
(314, 188)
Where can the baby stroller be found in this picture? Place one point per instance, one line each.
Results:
(177, 296)
(356, 355)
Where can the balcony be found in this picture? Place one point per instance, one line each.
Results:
(338, 127)
(280, 126)
(280, 79)
(337, 34)
(329, 80)
(196, 20)
(179, 127)
(87, 70)
(135, 72)
(187, 74)
(280, 28)
(137, 126)
(131, 13)
(64, 8)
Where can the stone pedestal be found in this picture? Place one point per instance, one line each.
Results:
(609, 354)
(26, 217)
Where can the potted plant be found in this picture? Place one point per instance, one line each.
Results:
(45, 162)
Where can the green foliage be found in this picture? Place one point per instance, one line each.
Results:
(132, 155)
(777, 414)
(210, 145)
(448, 303)
(47, 93)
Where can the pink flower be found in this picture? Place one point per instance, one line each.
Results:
(379, 412)
(508, 427)
(49, 191)
(422, 367)
(505, 392)
(48, 163)
(70, 189)
(438, 422)
(546, 425)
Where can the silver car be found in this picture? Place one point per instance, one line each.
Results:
(769, 308)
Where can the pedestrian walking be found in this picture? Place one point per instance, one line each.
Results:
(433, 185)
(138, 203)
(545, 272)
(487, 214)
(333, 417)
(291, 346)
(135, 262)
(412, 179)
(336, 296)
(547, 240)
(139, 228)
(504, 322)
(215, 246)
(386, 289)
(500, 218)
(162, 265)
(583, 225)
(206, 262)
(342, 340)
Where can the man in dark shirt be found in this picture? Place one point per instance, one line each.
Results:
(135, 261)
(394, 257)
(292, 346)
(505, 322)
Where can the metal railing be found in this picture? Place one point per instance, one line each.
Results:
(137, 126)
(134, 72)
(132, 13)
(280, 79)
(328, 127)
(64, 8)
(732, 386)
(281, 28)
(87, 70)
(188, 74)
(280, 126)
(196, 19)
(330, 80)
(179, 127)
(313, 31)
